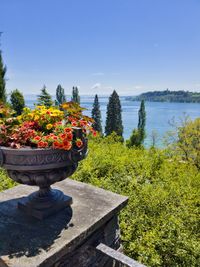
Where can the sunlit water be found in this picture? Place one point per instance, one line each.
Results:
(158, 115)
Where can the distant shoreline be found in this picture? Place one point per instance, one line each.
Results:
(168, 96)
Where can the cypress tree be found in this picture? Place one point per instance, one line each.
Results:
(114, 119)
(2, 80)
(17, 101)
(44, 99)
(142, 121)
(60, 95)
(75, 95)
(96, 115)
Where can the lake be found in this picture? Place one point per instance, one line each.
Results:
(158, 114)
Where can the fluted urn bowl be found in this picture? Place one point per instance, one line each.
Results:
(42, 167)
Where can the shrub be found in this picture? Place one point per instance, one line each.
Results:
(160, 225)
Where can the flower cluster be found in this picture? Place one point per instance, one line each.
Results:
(47, 128)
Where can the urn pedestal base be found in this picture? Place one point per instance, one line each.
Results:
(43, 203)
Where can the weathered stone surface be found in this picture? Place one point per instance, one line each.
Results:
(27, 242)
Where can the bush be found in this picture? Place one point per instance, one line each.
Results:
(160, 225)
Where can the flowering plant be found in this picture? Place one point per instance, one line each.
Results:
(45, 127)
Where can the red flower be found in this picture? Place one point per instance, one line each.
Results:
(74, 123)
(68, 130)
(94, 133)
(42, 144)
(83, 123)
(69, 136)
(67, 145)
(62, 136)
(79, 143)
(56, 144)
(37, 138)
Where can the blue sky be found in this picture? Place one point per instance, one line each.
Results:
(100, 45)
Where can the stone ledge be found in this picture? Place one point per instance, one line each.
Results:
(27, 242)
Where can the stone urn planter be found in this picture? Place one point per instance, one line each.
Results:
(42, 167)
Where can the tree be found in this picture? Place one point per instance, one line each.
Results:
(75, 95)
(96, 115)
(188, 143)
(44, 99)
(2, 80)
(138, 135)
(60, 95)
(142, 121)
(17, 101)
(114, 119)
(154, 138)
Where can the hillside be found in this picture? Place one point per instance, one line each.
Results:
(168, 96)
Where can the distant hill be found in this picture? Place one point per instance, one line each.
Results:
(168, 96)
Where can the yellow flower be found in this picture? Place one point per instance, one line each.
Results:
(36, 117)
(40, 107)
(49, 126)
(19, 117)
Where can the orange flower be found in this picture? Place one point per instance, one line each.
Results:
(62, 136)
(42, 144)
(79, 143)
(74, 123)
(68, 130)
(56, 144)
(37, 138)
(67, 145)
(45, 144)
(83, 123)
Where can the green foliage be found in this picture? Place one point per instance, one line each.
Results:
(160, 225)
(60, 95)
(169, 96)
(44, 99)
(2, 80)
(96, 115)
(75, 95)
(17, 101)
(184, 141)
(5, 181)
(135, 139)
(114, 119)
